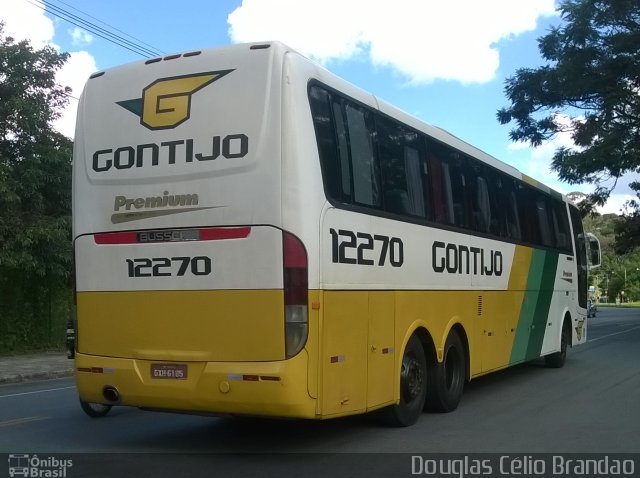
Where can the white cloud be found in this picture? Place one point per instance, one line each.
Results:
(615, 203)
(24, 21)
(80, 37)
(423, 40)
(73, 74)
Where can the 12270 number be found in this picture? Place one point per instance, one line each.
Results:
(350, 247)
(166, 267)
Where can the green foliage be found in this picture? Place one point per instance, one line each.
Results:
(628, 229)
(588, 87)
(619, 272)
(35, 196)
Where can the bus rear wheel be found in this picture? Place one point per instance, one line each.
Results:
(94, 410)
(413, 387)
(446, 378)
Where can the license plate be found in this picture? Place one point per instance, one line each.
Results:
(173, 371)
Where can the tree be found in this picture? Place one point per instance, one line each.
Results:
(589, 87)
(35, 189)
(628, 229)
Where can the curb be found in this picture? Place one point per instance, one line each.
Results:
(27, 377)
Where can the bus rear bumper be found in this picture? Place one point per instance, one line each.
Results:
(246, 388)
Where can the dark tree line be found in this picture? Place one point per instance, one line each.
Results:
(35, 198)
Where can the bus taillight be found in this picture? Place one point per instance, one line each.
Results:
(295, 294)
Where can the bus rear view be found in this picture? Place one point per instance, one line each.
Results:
(190, 295)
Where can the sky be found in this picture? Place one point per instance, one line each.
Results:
(444, 62)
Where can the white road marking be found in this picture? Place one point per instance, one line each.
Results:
(20, 421)
(36, 391)
(615, 333)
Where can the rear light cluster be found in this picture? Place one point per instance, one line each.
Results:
(296, 318)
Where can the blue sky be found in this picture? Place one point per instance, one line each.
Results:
(444, 62)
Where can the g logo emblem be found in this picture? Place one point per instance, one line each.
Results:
(166, 102)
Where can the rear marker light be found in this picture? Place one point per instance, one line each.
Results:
(96, 370)
(295, 274)
(177, 235)
(252, 378)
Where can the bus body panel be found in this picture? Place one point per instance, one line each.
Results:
(217, 325)
(252, 388)
(225, 152)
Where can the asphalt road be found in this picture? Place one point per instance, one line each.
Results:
(592, 405)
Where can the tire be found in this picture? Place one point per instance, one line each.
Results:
(557, 359)
(446, 379)
(413, 387)
(94, 410)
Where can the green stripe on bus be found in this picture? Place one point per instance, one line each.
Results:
(541, 315)
(535, 307)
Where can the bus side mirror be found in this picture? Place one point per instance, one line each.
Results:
(593, 246)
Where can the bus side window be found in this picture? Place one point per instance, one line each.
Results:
(497, 221)
(509, 208)
(414, 166)
(561, 225)
(401, 165)
(544, 222)
(447, 185)
(528, 209)
(440, 204)
(479, 198)
(580, 254)
(513, 220)
(360, 132)
(459, 199)
(484, 204)
(331, 140)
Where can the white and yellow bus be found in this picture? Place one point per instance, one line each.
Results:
(256, 236)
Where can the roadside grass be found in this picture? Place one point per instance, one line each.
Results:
(626, 305)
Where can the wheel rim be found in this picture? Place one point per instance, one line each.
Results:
(98, 407)
(412, 377)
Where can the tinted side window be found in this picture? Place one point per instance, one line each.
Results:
(343, 151)
(544, 221)
(482, 199)
(330, 157)
(447, 185)
(360, 131)
(561, 226)
(581, 254)
(528, 213)
(401, 156)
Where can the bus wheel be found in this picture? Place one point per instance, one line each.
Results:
(413, 387)
(446, 379)
(557, 359)
(94, 410)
